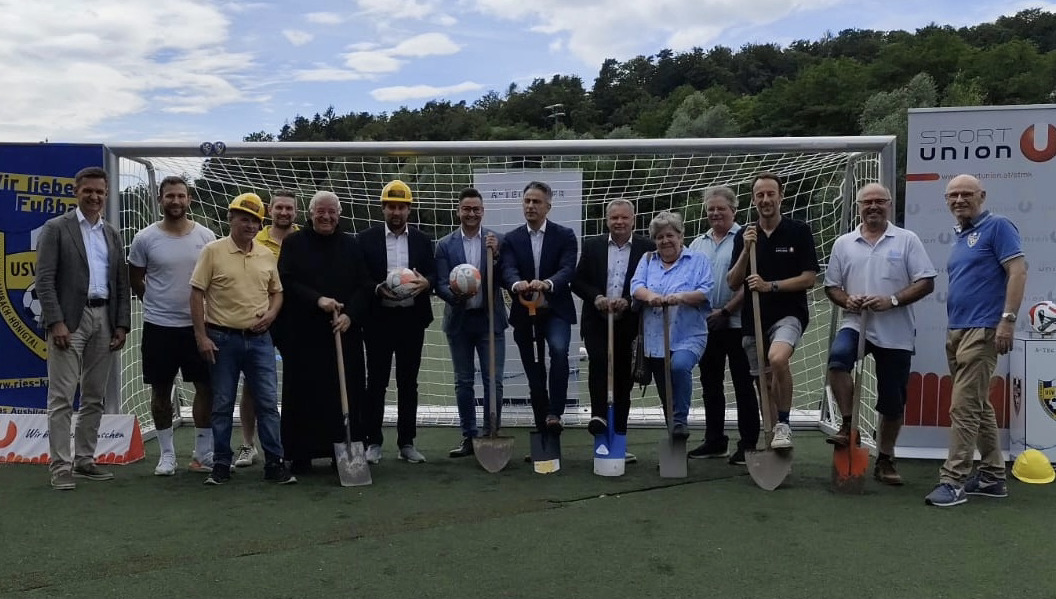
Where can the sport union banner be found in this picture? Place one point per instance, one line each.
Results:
(24, 439)
(1012, 150)
(36, 184)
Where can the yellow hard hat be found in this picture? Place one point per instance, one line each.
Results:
(249, 203)
(1032, 466)
(396, 191)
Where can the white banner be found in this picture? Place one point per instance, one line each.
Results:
(503, 212)
(1011, 149)
(24, 439)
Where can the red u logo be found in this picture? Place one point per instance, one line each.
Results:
(1027, 145)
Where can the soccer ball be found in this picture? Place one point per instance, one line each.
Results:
(399, 282)
(31, 304)
(465, 279)
(1043, 317)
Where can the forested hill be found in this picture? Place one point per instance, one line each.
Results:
(854, 82)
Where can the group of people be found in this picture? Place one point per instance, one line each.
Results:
(216, 310)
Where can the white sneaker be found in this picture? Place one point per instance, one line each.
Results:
(247, 454)
(411, 454)
(782, 436)
(166, 465)
(374, 454)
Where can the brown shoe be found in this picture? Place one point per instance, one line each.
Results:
(63, 481)
(842, 438)
(91, 471)
(885, 472)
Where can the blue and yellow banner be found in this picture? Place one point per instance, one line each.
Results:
(36, 184)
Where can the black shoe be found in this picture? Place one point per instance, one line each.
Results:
(679, 431)
(711, 449)
(737, 459)
(464, 448)
(597, 426)
(554, 425)
(278, 473)
(221, 474)
(300, 466)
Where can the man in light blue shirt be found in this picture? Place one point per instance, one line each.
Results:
(724, 338)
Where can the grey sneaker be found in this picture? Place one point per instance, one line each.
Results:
(981, 484)
(247, 454)
(411, 454)
(63, 481)
(373, 454)
(92, 471)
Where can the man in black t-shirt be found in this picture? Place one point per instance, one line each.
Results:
(788, 266)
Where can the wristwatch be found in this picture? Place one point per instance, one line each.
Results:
(1009, 316)
(894, 301)
(773, 287)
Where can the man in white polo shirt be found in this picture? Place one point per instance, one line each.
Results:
(881, 268)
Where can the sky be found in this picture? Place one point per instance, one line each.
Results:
(193, 70)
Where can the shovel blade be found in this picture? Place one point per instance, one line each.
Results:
(610, 453)
(493, 453)
(673, 460)
(849, 464)
(546, 452)
(768, 468)
(352, 466)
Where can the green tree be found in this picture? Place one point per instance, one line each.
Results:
(697, 117)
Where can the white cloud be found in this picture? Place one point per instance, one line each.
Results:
(81, 64)
(398, 9)
(594, 30)
(400, 93)
(324, 18)
(389, 60)
(323, 74)
(446, 20)
(297, 37)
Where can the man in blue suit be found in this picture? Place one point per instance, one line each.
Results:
(539, 258)
(466, 316)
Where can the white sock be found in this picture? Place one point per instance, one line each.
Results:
(165, 441)
(203, 442)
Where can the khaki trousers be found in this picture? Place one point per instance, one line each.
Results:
(972, 357)
(87, 362)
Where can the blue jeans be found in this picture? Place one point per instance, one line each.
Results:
(253, 355)
(557, 333)
(682, 363)
(472, 338)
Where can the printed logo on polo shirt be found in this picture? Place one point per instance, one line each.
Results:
(1047, 397)
(782, 250)
(973, 238)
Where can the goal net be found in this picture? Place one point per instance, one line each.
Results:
(821, 176)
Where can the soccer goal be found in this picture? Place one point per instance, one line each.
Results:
(822, 175)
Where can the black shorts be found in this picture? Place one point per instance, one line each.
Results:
(167, 350)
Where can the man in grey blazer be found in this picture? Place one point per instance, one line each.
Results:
(82, 283)
(466, 315)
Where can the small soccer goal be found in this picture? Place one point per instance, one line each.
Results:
(821, 177)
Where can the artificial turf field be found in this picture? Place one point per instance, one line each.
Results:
(447, 528)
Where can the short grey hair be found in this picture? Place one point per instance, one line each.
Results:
(663, 220)
(871, 187)
(619, 202)
(323, 195)
(723, 192)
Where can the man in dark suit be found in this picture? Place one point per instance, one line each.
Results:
(82, 283)
(539, 258)
(466, 321)
(603, 282)
(396, 325)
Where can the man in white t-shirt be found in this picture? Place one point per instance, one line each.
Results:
(160, 263)
(883, 269)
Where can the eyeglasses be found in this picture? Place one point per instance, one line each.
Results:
(874, 202)
(953, 195)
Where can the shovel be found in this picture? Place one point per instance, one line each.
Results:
(850, 462)
(533, 304)
(352, 464)
(493, 452)
(545, 447)
(673, 460)
(768, 468)
(610, 449)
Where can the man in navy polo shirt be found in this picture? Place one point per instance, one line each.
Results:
(788, 267)
(987, 275)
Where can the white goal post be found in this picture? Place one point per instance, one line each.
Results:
(822, 175)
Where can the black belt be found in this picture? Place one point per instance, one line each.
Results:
(96, 302)
(243, 332)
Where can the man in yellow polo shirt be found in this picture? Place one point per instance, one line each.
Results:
(283, 211)
(235, 296)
